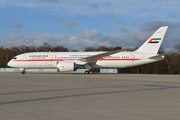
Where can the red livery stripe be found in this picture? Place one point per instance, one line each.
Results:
(55, 60)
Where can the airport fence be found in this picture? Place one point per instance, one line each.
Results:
(54, 70)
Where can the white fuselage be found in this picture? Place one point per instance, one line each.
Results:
(49, 59)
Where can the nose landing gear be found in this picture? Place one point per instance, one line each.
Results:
(23, 70)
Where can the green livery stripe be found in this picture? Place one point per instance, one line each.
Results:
(156, 38)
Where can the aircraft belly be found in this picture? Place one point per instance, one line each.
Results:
(120, 64)
(114, 64)
(35, 65)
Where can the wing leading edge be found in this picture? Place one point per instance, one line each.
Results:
(93, 59)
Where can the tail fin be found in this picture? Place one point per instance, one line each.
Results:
(154, 42)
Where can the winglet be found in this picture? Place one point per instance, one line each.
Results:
(153, 44)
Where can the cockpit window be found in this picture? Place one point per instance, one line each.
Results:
(15, 58)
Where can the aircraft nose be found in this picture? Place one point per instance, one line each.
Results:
(9, 63)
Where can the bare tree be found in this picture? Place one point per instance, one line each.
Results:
(177, 47)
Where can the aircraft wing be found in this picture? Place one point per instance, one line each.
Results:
(94, 58)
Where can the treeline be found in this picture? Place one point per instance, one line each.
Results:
(170, 65)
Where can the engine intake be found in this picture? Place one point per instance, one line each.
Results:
(65, 66)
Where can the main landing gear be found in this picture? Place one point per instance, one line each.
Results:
(88, 72)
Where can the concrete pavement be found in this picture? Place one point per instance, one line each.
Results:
(86, 97)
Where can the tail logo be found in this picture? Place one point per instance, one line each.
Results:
(154, 40)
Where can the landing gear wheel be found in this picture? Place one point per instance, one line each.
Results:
(23, 72)
(88, 72)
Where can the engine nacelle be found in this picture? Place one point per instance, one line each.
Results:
(65, 66)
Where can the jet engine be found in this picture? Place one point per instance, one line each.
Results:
(65, 66)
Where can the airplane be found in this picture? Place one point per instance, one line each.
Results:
(70, 61)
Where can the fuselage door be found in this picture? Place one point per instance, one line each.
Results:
(51, 57)
(132, 56)
(24, 58)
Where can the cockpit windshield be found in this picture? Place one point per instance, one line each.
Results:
(15, 58)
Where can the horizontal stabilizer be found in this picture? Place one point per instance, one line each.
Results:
(156, 56)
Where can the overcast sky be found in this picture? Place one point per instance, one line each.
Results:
(77, 24)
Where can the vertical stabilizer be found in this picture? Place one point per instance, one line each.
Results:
(153, 44)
